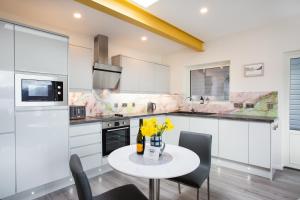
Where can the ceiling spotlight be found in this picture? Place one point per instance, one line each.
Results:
(144, 38)
(77, 15)
(203, 10)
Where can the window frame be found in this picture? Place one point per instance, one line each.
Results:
(207, 66)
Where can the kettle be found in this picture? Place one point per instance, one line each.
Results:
(151, 107)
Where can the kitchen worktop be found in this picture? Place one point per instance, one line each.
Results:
(187, 114)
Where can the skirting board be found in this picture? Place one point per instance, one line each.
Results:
(54, 186)
(251, 170)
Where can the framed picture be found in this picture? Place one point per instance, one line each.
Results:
(252, 70)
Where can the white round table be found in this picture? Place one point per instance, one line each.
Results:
(176, 161)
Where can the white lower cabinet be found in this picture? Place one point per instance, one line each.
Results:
(295, 148)
(41, 147)
(7, 166)
(180, 124)
(207, 126)
(260, 144)
(86, 142)
(233, 140)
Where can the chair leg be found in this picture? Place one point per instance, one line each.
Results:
(197, 193)
(208, 191)
(179, 189)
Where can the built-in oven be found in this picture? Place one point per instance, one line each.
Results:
(115, 134)
(40, 90)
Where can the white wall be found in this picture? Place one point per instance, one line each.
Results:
(267, 44)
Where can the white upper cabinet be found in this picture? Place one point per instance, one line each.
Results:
(80, 67)
(38, 51)
(260, 144)
(207, 126)
(162, 78)
(180, 124)
(7, 46)
(7, 166)
(140, 76)
(233, 140)
(130, 74)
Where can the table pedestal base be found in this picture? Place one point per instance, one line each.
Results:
(154, 189)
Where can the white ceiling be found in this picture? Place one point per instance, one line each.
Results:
(224, 17)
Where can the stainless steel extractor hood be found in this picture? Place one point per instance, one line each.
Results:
(105, 76)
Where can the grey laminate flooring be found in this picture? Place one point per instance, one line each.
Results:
(226, 184)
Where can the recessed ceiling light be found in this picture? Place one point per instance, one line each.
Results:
(144, 38)
(145, 3)
(77, 15)
(203, 10)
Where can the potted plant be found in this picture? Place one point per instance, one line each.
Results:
(154, 130)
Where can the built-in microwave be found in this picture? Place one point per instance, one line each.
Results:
(40, 90)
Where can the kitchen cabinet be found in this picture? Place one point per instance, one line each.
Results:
(80, 67)
(295, 149)
(86, 141)
(42, 154)
(134, 130)
(162, 78)
(39, 51)
(7, 166)
(140, 76)
(233, 140)
(180, 124)
(7, 46)
(7, 105)
(207, 126)
(260, 144)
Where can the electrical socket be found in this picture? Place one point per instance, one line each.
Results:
(124, 105)
(249, 105)
(133, 104)
(238, 105)
(116, 105)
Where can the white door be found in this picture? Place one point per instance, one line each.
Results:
(7, 166)
(207, 126)
(294, 111)
(80, 67)
(38, 51)
(233, 140)
(180, 124)
(6, 77)
(42, 147)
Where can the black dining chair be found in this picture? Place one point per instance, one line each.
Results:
(84, 190)
(201, 144)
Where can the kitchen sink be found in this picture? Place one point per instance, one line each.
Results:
(193, 113)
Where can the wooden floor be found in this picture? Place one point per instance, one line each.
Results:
(226, 184)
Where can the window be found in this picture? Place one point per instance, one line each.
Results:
(210, 82)
(295, 94)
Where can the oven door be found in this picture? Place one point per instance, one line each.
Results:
(114, 138)
(40, 90)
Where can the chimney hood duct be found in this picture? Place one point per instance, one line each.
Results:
(105, 76)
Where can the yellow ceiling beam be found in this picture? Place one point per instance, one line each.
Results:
(131, 13)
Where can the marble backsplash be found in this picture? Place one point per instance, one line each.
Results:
(105, 103)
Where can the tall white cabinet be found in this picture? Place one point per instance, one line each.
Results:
(7, 132)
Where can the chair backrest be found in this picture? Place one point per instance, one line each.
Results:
(199, 143)
(81, 181)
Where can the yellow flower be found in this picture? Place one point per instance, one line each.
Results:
(169, 124)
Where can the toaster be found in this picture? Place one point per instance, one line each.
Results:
(77, 112)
